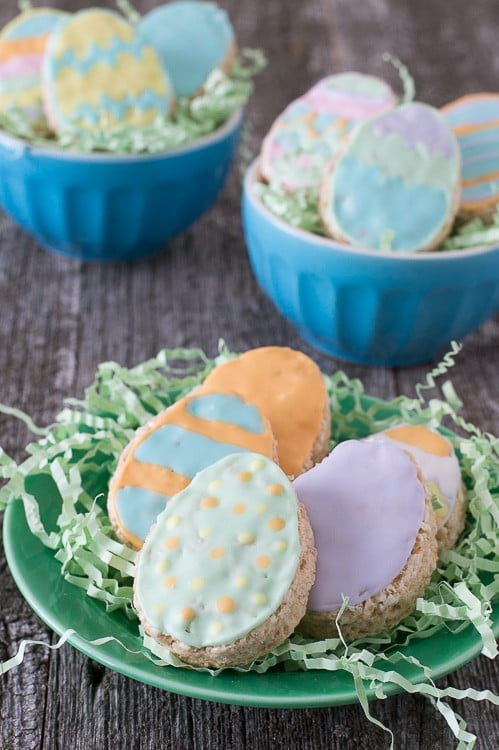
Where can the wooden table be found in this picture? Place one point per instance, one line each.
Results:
(59, 318)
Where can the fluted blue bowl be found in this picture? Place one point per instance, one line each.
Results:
(107, 207)
(364, 305)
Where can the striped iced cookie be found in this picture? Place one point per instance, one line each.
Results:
(475, 121)
(192, 39)
(172, 447)
(437, 460)
(98, 73)
(289, 389)
(311, 130)
(396, 184)
(375, 534)
(224, 575)
(22, 46)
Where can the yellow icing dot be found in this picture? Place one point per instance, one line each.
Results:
(209, 502)
(215, 484)
(259, 598)
(276, 524)
(172, 542)
(275, 489)
(225, 605)
(198, 583)
(246, 537)
(162, 566)
(241, 582)
(173, 521)
(217, 552)
(187, 614)
(169, 582)
(205, 532)
(245, 476)
(263, 561)
(239, 509)
(257, 464)
(281, 545)
(261, 508)
(216, 628)
(159, 608)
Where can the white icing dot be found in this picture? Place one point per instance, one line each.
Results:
(173, 521)
(259, 598)
(246, 537)
(281, 545)
(261, 508)
(241, 582)
(216, 628)
(159, 609)
(214, 485)
(205, 532)
(162, 566)
(198, 583)
(257, 464)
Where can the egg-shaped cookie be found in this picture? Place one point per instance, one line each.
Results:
(289, 389)
(98, 73)
(224, 575)
(435, 456)
(396, 185)
(169, 450)
(475, 122)
(375, 534)
(192, 38)
(22, 46)
(311, 130)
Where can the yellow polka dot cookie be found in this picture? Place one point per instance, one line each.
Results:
(290, 390)
(169, 450)
(225, 573)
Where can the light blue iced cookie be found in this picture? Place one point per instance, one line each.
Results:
(396, 186)
(192, 38)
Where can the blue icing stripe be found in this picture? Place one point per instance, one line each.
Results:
(480, 192)
(323, 121)
(183, 451)
(192, 38)
(97, 54)
(228, 408)
(138, 509)
(478, 166)
(475, 111)
(388, 200)
(92, 113)
(39, 24)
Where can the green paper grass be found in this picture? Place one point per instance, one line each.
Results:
(80, 452)
(222, 95)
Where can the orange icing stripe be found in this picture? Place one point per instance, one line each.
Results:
(466, 129)
(421, 437)
(151, 477)
(288, 388)
(18, 47)
(483, 178)
(471, 205)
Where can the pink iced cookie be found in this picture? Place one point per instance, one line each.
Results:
(308, 134)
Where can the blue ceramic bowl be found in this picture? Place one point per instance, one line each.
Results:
(112, 207)
(363, 305)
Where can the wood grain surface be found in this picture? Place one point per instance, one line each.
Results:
(59, 318)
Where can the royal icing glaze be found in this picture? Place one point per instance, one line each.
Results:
(310, 131)
(99, 73)
(289, 390)
(397, 178)
(192, 38)
(366, 505)
(193, 433)
(435, 457)
(475, 121)
(222, 555)
(22, 46)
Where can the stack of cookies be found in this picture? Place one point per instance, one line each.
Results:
(250, 528)
(386, 175)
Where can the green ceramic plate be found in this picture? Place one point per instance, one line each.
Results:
(62, 605)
